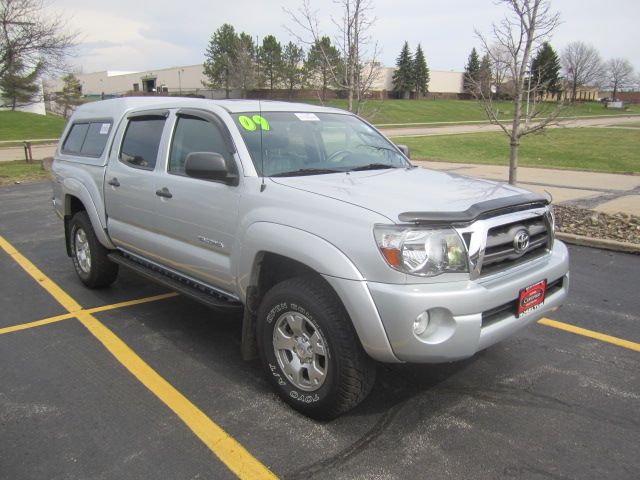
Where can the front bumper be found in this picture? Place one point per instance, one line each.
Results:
(458, 329)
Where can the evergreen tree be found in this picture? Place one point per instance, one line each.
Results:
(18, 86)
(323, 65)
(244, 69)
(71, 94)
(471, 71)
(403, 81)
(221, 57)
(545, 71)
(270, 61)
(484, 75)
(420, 73)
(292, 62)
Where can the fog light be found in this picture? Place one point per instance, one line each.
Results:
(421, 323)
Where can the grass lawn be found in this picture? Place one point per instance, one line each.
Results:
(440, 111)
(27, 126)
(20, 171)
(597, 149)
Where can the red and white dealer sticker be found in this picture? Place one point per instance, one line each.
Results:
(532, 297)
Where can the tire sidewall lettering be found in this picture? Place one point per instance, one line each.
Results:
(278, 376)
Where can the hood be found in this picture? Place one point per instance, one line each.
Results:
(396, 191)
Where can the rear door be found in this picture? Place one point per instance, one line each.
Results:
(197, 219)
(130, 193)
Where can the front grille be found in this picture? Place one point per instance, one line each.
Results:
(500, 252)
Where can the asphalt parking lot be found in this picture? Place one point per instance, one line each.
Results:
(162, 392)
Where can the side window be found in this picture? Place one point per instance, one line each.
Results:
(96, 139)
(142, 141)
(87, 139)
(75, 139)
(193, 134)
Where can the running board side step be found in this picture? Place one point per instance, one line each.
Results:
(180, 284)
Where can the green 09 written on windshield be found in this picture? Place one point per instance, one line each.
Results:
(304, 143)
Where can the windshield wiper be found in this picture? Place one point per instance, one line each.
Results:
(372, 166)
(379, 147)
(306, 171)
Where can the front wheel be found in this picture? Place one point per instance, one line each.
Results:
(89, 257)
(310, 350)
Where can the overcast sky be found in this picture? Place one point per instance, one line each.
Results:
(143, 35)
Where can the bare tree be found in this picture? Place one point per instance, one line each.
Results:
(527, 24)
(360, 67)
(32, 36)
(582, 66)
(619, 74)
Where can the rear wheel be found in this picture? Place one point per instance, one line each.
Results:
(310, 350)
(89, 257)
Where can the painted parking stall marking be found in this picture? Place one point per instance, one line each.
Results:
(67, 316)
(223, 445)
(591, 334)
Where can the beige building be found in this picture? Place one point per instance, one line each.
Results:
(190, 79)
(175, 80)
(440, 81)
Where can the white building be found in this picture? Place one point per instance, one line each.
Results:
(35, 106)
(440, 81)
(191, 79)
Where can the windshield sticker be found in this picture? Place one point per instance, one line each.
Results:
(104, 129)
(261, 121)
(250, 124)
(247, 123)
(307, 117)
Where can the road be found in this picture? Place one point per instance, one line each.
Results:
(544, 403)
(486, 127)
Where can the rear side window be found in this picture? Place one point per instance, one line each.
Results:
(87, 139)
(142, 141)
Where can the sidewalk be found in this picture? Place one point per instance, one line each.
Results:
(487, 127)
(604, 192)
(17, 153)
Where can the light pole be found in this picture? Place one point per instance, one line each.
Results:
(180, 70)
(528, 92)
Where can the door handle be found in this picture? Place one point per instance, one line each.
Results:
(164, 192)
(114, 182)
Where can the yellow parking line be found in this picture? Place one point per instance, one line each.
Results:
(225, 447)
(38, 323)
(591, 334)
(130, 303)
(67, 316)
(234, 455)
(49, 285)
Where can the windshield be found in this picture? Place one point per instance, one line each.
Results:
(314, 143)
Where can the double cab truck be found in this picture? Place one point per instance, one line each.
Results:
(338, 252)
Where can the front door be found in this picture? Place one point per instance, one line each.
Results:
(198, 222)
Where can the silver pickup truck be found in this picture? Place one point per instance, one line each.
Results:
(338, 251)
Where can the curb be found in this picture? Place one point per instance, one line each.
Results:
(599, 243)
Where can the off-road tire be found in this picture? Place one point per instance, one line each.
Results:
(101, 272)
(350, 373)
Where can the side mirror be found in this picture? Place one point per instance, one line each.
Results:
(209, 166)
(404, 149)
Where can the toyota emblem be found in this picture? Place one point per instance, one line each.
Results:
(521, 241)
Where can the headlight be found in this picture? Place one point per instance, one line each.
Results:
(420, 251)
